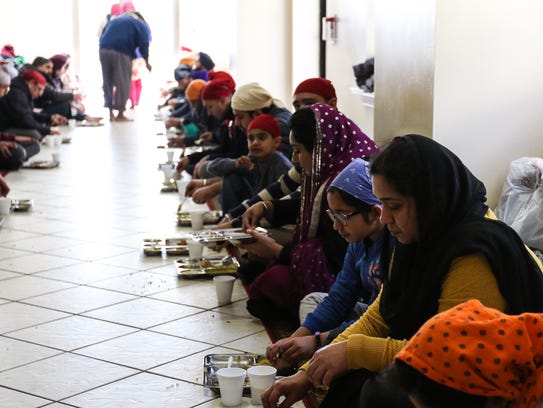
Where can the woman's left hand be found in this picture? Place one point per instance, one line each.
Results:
(328, 363)
(263, 245)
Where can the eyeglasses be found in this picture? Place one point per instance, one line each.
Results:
(341, 217)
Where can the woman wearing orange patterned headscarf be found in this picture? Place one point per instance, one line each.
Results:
(473, 356)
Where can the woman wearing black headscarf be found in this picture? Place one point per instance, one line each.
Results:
(450, 250)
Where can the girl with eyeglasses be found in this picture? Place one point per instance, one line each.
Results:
(355, 212)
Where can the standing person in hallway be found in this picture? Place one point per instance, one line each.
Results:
(118, 43)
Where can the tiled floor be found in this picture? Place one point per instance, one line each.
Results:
(86, 320)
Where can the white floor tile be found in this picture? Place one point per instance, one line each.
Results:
(143, 391)
(79, 299)
(14, 353)
(143, 349)
(62, 376)
(16, 399)
(71, 333)
(84, 314)
(143, 312)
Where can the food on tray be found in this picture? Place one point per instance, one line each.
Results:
(205, 263)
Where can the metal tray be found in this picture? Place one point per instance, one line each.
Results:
(170, 246)
(21, 205)
(206, 267)
(210, 217)
(235, 236)
(44, 164)
(214, 362)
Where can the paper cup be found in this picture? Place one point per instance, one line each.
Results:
(224, 285)
(195, 249)
(71, 123)
(57, 141)
(231, 381)
(49, 141)
(197, 219)
(5, 205)
(56, 157)
(168, 170)
(261, 378)
(182, 186)
(170, 156)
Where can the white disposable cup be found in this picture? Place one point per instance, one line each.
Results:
(224, 285)
(195, 249)
(197, 219)
(57, 140)
(56, 157)
(231, 381)
(170, 156)
(71, 123)
(260, 378)
(49, 141)
(182, 186)
(5, 205)
(168, 170)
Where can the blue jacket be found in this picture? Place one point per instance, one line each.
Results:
(359, 279)
(124, 34)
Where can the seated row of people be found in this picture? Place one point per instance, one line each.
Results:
(422, 242)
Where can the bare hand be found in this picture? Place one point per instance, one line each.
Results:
(5, 148)
(203, 194)
(206, 137)
(244, 161)
(173, 122)
(225, 223)
(176, 142)
(192, 186)
(182, 164)
(293, 388)
(263, 246)
(328, 363)
(57, 119)
(253, 215)
(293, 349)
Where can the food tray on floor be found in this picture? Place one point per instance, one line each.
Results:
(206, 267)
(210, 217)
(214, 362)
(169, 246)
(21, 205)
(43, 164)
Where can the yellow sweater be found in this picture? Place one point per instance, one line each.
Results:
(368, 346)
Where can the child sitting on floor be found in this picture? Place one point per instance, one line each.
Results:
(247, 175)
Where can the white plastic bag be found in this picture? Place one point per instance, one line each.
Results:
(520, 204)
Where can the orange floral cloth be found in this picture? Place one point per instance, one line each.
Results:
(481, 351)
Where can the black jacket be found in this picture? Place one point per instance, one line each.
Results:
(16, 109)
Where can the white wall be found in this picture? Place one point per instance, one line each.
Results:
(264, 46)
(355, 44)
(404, 66)
(488, 104)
